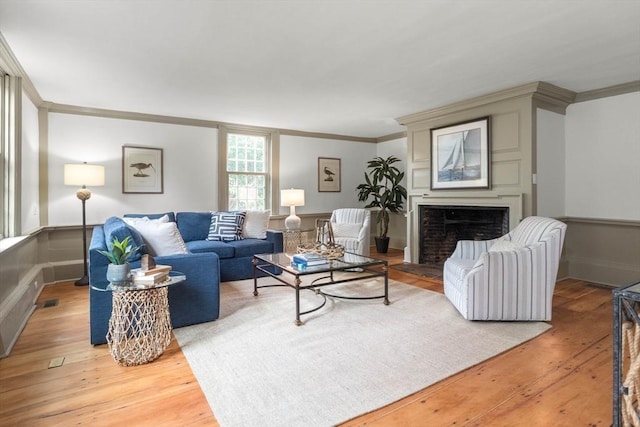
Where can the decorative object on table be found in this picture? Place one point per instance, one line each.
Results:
(383, 187)
(150, 277)
(309, 260)
(325, 243)
(142, 170)
(147, 262)
(119, 269)
(84, 174)
(328, 174)
(292, 197)
(460, 155)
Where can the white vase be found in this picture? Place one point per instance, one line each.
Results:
(118, 273)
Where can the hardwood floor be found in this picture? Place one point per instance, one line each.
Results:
(561, 378)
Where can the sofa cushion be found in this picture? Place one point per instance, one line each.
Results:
(256, 224)
(116, 227)
(194, 225)
(250, 247)
(224, 250)
(226, 226)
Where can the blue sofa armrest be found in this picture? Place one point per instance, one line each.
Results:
(196, 300)
(277, 237)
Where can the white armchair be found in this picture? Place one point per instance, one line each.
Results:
(351, 229)
(509, 278)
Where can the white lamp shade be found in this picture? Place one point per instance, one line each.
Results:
(292, 197)
(83, 174)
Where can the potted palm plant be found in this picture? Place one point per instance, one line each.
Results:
(119, 269)
(383, 189)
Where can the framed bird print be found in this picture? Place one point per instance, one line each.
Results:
(328, 174)
(142, 170)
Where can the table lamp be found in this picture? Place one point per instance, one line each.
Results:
(84, 175)
(292, 197)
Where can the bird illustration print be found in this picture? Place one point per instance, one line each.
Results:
(140, 167)
(329, 174)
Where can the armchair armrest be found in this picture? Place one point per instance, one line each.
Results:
(471, 249)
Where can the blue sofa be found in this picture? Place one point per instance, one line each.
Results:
(193, 301)
(235, 256)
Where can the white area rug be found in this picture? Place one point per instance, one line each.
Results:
(257, 368)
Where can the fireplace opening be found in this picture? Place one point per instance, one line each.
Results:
(442, 227)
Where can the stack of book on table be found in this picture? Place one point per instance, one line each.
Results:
(152, 276)
(308, 260)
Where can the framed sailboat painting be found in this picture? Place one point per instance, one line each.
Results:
(460, 155)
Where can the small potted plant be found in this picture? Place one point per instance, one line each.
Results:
(119, 269)
(382, 186)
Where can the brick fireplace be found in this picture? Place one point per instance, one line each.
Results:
(440, 227)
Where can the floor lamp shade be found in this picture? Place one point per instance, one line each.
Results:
(292, 197)
(84, 175)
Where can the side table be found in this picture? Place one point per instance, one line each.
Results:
(626, 355)
(293, 238)
(140, 323)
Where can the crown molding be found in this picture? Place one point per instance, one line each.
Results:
(605, 92)
(292, 132)
(543, 91)
(126, 115)
(392, 136)
(9, 63)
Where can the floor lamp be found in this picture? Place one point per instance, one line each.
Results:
(84, 174)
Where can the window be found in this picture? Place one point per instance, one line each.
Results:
(10, 108)
(247, 169)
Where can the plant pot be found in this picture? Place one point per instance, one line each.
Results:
(382, 244)
(118, 273)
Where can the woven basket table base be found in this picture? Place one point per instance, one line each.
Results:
(140, 326)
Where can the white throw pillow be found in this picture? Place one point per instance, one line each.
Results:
(348, 230)
(161, 238)
(505, 246)
(256, 224)
(132, 221)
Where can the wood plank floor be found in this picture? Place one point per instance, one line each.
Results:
(561, 378)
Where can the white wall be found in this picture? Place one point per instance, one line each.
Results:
(603, 158)
(190, 166)
(30, 204)
(551, 163)
(299, 169)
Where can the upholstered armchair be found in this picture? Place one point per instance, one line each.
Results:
(351, 229)
(509, 278)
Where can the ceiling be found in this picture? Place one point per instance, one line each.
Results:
(348, 67)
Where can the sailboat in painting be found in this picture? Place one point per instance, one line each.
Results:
(463, 161)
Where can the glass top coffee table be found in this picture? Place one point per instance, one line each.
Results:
(359, 267)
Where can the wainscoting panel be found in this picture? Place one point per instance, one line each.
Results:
(603, 251)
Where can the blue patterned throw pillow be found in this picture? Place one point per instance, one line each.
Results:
(226, 226)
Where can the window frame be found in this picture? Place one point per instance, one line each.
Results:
(10, 154)
(272, 139)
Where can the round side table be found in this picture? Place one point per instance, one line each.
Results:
(140, 323)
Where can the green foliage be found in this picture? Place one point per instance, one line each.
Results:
(121, 251)
(382, 187)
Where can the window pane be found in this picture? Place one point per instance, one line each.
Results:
(247, 191)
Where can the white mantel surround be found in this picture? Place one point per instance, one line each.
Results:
(512, 201)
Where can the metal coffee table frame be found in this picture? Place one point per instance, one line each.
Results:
(366, 268)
